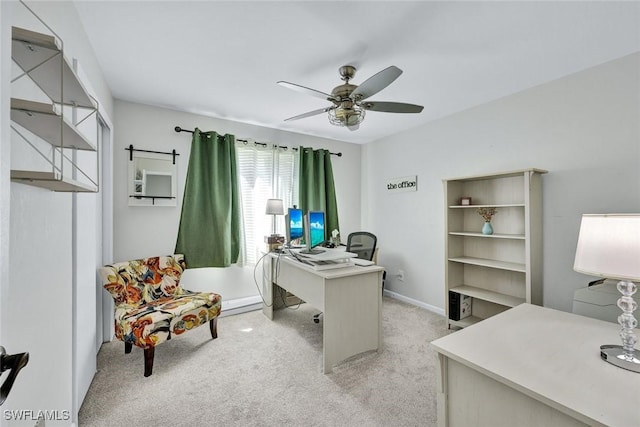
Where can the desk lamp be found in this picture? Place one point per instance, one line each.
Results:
(274, 207)
(609, 247)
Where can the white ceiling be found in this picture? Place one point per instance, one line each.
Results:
(223, 59)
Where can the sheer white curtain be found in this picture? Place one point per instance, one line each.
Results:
(265, 173)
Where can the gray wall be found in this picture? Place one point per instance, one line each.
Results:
(584, 129)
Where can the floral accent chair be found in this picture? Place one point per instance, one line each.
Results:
(151, 306)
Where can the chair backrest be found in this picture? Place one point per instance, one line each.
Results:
(362, 243)
(143, 280)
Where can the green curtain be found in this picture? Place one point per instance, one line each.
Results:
(209, 231)
(317, 191)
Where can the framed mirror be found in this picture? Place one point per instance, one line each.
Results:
(152, 179)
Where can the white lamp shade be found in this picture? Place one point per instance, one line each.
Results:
(274, 207)
(609, 246)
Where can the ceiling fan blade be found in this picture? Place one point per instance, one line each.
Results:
(392, 107)
(376, 83)
(306, 90)
(308, 114)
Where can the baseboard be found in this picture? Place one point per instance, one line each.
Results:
(241, 305)
(429, 307)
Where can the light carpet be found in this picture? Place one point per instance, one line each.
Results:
(269, 373)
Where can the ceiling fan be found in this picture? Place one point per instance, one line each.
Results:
(348, 100)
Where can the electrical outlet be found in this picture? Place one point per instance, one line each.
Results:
(401, 275)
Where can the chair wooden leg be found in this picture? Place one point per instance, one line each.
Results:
(148, 360)
(127, 347)
(213, 326)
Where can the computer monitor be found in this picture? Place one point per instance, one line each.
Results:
(314, 232)
(294, 224)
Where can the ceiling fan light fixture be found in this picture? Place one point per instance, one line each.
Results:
(348, 106)
(350, 115)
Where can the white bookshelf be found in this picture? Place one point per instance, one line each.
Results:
(500, 270)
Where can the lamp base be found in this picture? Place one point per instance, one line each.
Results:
(614, 354)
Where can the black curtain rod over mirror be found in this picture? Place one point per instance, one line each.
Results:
(264, 144)
(130, 149)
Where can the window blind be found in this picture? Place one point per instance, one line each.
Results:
(264, 172)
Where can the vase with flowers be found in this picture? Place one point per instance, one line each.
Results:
(487, 214)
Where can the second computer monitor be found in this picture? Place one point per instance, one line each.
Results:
(314, 231)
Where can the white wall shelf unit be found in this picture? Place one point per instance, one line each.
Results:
(41, 59)
(501, 270)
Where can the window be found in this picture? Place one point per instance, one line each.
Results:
(264, 172)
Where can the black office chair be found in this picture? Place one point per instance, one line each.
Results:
(363, 244)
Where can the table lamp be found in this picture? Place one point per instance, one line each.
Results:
(609, 247)
(274, 207)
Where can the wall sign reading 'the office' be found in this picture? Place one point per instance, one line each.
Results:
(403, 184)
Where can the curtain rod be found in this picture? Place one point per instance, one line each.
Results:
(264, 144)
(131, 150)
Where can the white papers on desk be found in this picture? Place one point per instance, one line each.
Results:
(328, 254)
(328, 264)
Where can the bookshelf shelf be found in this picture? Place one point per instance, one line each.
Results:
(491, 296)
(491, 263)
(485, 236)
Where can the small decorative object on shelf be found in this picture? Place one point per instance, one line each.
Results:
(465, 201)
(487, 214)
(335, 237)
(487, 228)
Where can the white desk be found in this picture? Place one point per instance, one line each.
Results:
(533, 366)
(350, 299)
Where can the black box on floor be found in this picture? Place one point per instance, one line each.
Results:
(459, 306)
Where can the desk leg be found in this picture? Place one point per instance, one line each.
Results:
(442, 391)
(267, 287)
(352, 318)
